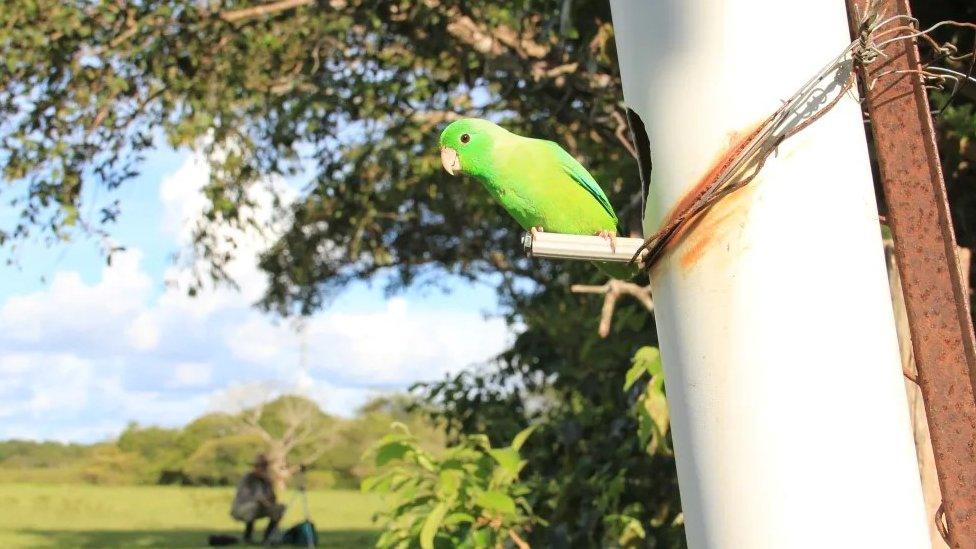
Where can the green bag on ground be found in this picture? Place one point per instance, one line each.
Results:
(302, 534)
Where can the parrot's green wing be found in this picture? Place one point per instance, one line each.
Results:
(579, 174)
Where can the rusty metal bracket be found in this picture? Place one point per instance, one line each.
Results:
(918, 213)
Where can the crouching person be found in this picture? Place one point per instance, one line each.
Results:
(255, 499)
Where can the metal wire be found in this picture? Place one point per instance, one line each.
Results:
(790, 119)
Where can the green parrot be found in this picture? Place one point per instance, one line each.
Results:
(541, 185)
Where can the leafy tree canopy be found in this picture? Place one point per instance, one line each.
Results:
(353, 91)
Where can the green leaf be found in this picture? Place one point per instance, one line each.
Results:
(425, 462)
(479, 440)
(523, 435)
(452, 464)
(458, 518)
(431, 524)
(651, 358)
(656, 367)
(628, 529)
(377, 483)
(481, 538)
(508, 459)
(633, 374)
(394, 437)
(399, 426)
(645, 426)
(886, 232)
(646, 359)
(494, 500)
(657, 405)
(449, 483)
(391, 451)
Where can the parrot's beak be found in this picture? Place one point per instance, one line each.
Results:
(451, 160)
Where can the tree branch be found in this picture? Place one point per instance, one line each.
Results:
(519, 542)
(251, 424)
(612, 291)
(233, 16)
(495, 40)
(622, 132)
(428, 119)
(297, 416)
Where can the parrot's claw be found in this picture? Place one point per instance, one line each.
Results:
(534, 231)
(610, 237)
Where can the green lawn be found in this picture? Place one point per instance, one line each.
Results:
(77, 515)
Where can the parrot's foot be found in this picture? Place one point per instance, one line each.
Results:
(610, 237)
(534, 231)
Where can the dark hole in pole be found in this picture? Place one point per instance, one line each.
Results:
(639, 136)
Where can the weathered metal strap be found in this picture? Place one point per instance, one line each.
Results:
(918, 213)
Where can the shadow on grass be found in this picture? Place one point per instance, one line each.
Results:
(338, 539)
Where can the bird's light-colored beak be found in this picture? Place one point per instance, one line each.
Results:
(450, 160)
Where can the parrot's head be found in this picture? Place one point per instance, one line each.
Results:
(466, 145)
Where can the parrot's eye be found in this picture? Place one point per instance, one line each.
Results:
(465, 138)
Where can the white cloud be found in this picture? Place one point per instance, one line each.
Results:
(391, 347)
(61, 396)
(67, 307)
(239, 396)
(256, 340)
(181, 198)
(397, 346)
(80, 359)
(11, 365)
(143, 333)
(183, 202)
(191, 374)
(69, 380)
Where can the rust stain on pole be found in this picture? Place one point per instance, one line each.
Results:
(942, 335)
(704, 235)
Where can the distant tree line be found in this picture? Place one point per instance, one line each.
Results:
(216, 449)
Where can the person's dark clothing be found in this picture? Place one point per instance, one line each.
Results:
(255, 498)
(249, 530)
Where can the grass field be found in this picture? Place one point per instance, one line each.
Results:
(77, 515)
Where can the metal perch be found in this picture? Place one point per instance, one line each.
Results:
(571, 246)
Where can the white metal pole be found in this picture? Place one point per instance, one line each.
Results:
(789, 418)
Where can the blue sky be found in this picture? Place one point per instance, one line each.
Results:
(85, 347)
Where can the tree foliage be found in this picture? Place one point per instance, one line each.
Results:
(217, 448)
(221, 461)
(467, 496)
(352, 93)
(592, 478)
